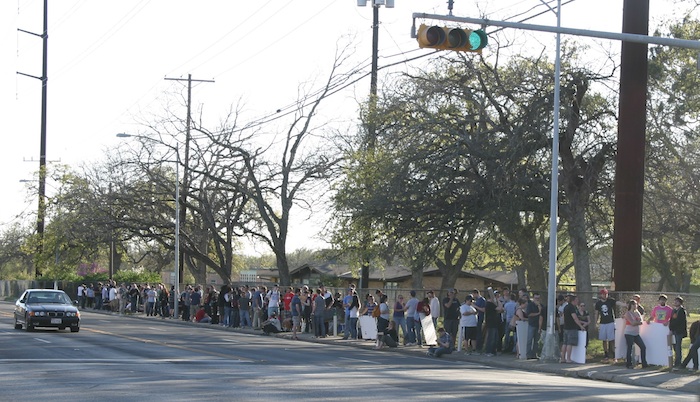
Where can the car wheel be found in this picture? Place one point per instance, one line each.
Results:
(74, 329)
(29, 328)
(17, 325)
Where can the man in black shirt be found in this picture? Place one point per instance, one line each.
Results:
(571, 327)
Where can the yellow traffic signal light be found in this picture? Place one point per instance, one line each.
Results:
(464, 40)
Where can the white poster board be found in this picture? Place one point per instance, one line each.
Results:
(578, 352)
(521, 334)
(656, 339)
(368, 325)
(430, 337)
(620, 343)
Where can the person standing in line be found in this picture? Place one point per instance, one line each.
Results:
(273, 301)
(451, 315)
(534, 314)
(319, 310)
(81, 296)
(296, 311)
(492, 320)
(571, 327)
(605, 311)
(400, 318)
(382, 320)
(640, 308)
(434, 307)
(480, 306)
(661, 313)
(347, 301)
(467, 321)
(355, 307)
(244, 309)
(679, 328)
(411, 306)
(633, 320)
(509, 311)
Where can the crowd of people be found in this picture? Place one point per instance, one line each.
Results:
(486, 322)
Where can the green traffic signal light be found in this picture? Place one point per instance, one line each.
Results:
(478, 39)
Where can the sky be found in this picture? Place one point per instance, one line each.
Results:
(108, 60)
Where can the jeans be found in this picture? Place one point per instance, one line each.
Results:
(479, 333)
(632, 339)
(226, 321)
(418, 327)
(439, 351)
(346, 331)
(400, 322)
(149, 308)
(245, 318)
(256, 317)
(491, 338)
(319, 325)
(352, 325)
(678, 338)
(451, 327)
(410, 336)
(533, 340)
(692, 354)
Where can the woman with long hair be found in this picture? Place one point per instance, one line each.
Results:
(633, 319)
(355, 307)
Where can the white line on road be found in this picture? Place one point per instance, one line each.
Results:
(42, 340)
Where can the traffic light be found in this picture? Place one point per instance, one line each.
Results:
(464, 40)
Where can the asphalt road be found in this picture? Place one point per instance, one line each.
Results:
(129, 359)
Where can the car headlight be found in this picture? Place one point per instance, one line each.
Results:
(37, 313)
(72, 314)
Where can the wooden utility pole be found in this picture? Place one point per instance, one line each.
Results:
(631, 138)
(184, 189)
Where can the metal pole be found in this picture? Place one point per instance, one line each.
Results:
(551, 343)
(626, 37)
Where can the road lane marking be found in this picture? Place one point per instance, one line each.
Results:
(42, 340)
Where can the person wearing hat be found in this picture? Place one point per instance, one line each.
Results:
(679, 328)
(661, 313)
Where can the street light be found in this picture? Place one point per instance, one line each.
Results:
(176, 293)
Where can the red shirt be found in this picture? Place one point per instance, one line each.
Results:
(200, 314)
(288, 301)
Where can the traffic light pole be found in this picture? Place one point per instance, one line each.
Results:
(626, 37)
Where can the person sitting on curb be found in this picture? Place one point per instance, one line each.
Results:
(444, 344)
(391, 336)
(202, 317)
(272, 325)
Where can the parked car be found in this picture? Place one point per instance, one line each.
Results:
(46, 308)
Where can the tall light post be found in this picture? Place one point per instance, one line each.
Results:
(176, 291)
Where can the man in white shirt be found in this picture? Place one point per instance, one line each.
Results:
(468, 322)
(434, 307)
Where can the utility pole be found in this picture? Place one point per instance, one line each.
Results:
(631, 136)
(41, 212)
(371, 116)
(185, 179)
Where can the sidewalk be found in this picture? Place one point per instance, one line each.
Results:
(654, 376)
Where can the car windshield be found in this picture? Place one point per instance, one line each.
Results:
(48, 297)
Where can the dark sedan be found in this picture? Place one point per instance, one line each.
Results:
(46, 308)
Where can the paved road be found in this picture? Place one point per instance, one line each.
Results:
(123, 358)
